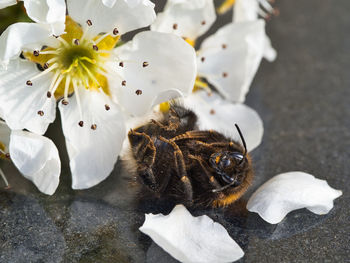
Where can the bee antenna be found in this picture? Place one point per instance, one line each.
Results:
(242, 138)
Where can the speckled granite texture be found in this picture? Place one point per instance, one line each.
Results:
(303, 99)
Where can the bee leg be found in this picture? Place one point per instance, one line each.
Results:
(144, 153)
(205, 169)
(181, 170)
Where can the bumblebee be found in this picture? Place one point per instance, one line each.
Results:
(195, 167)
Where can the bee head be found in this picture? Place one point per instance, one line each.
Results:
(230, 165)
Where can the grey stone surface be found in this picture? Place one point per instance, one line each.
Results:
(303, 99)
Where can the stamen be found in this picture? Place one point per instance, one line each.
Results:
(58, 81)
(64, 42)
(202, 59)
(50, 52)
(121, 64)
(42, 73)
(36, 53)
(124, 83)
(145, 64)
(138, 92)
(41, 113)
(76, 42)
(65, 102)
(102, 37)
(53, 81)
(4, 178)
(89, 73)
(95, 47)
(203, 23)
(115, 31)
(224, 46)
(77, 98)
(29, 83)
(174, 26)
(93, 127)
(88, 22)
(46, 65)
(66, 89)
(212, 112)
(224, 74)
(48, 94)
(107, 107)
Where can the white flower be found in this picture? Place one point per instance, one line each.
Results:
(290, 191)
(96, 83)
(191, 239)
(228, 59)
(250, 10)
(35, 156)
(215, 113)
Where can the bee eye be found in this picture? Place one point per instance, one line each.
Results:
(225, 162)
(238, 157)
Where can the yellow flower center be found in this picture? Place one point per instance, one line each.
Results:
(79, 60)
(3, 154)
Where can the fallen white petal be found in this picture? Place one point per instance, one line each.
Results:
(290, 191)
(36, 157)
(191, 239)
(219, 114)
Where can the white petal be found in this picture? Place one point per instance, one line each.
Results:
(20, 36)
(270, 53)
(171, 70)
(92, 153)
(49, 12)
(36, 157)
(191, 239)
(6, 3)
(109, 3)
(290, 191)
(231, 57)
(245, 10)
(20, 103)
(5, 135)
(191, 17)
(104, 19)
(218, 114)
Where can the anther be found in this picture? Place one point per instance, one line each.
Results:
(76, 42)
(124, 83)
(212, 111)
(7, 155)
(107, 107)
(224, 46)
(81, 123)
(145, 64)
(202, 59)
(121, 64)
(36, 53)
(93, 127)
(88, 22)
(174, 26)
(64, 102)
(41, 113)
(46, 65)
(95, 47)
(29, 83)
(224, 74)
(48, 94)
(138, 92)
(115, 31)
(203, 22)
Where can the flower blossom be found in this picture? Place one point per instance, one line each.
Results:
(95, 82)
(35, 156)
